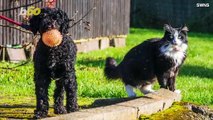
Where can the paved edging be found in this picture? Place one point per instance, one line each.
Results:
(130, 110)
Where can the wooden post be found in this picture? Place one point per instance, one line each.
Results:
(3, 53)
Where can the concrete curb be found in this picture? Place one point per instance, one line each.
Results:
(129, 110)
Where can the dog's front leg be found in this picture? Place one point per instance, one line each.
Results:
(71, 92)
(59, 98)
(41, 89)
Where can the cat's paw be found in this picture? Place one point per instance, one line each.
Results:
(147, 89)
(177, 91)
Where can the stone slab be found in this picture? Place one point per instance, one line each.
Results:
(128, 110)
(87, 46)
(104, 43)
(118, 42)
(16, 55)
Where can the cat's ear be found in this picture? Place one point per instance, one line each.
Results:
(184, 29)
(167, 28)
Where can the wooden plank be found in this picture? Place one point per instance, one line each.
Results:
(90, 17)
(127, 17)
(1, 22)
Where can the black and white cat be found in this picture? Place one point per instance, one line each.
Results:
(154, 58)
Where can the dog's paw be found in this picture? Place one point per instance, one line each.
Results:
(40, 114)
(72, 110)
(177, 91)
(72, 107)
(60, 110)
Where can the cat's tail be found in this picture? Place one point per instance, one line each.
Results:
(111, 70)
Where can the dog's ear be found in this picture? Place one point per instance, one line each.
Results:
(64, 27)
(34, 24)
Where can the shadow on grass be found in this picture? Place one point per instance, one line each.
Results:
(17, 106)
(199, 71)
(16, 111)
(20, 112)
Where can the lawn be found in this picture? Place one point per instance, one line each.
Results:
(195, 79)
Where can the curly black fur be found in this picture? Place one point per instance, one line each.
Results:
(154, 58)
(54, 63)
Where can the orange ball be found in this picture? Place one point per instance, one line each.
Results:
(52, 38)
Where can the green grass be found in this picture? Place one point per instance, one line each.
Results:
(195, 79)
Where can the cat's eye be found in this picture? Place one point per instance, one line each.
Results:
(180, 37)
(171, 36)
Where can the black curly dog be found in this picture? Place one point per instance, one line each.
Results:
(54, 63)
(159, 58)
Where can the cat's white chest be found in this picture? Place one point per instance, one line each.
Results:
(176, 55)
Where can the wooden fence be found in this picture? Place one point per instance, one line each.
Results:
(108, 18)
